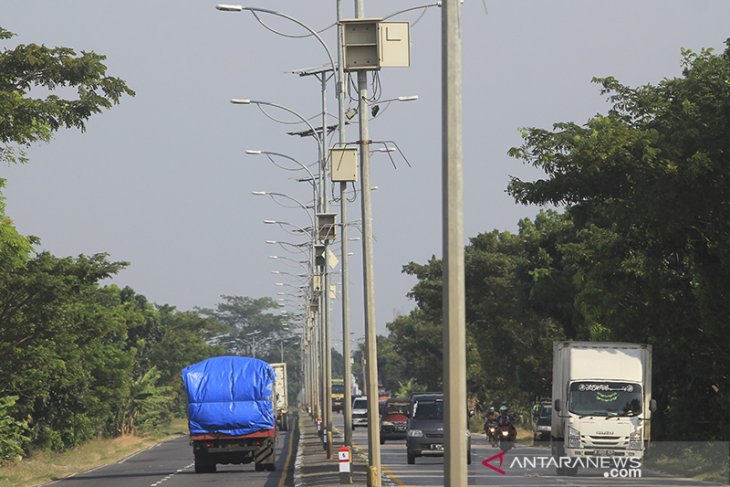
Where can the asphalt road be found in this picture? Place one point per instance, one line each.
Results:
(517, 466)
(171, 464)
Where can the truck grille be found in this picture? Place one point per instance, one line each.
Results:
(604, 441)
(433, 435)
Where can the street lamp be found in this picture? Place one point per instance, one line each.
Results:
(291, 247)
(299, 204)
(270, 155)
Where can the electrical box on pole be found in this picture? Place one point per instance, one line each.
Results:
(326, 228)
(316, 283)
(343, 164)
(371, 44)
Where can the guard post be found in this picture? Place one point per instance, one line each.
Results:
(345, 459)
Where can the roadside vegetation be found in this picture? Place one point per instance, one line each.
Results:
(84, 362)
(48, 465)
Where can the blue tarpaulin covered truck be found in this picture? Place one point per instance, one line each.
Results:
(230, 412)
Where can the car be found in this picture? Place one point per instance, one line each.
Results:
(543, 420)
(359, 411)
(425, 430)
(394, 419)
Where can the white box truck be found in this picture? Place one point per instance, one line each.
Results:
(281, 402)
(602, 402)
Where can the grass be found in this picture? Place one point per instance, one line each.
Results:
(44, 466)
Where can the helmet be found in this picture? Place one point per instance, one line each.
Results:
(503, 408)
(491, 409)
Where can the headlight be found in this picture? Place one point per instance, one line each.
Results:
(573, 438)
(492, 429)
(635, 442)
(415, 433)
(387, 423)
(505, 432)
(468, 433)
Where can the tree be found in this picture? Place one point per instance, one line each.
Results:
(246, 327)
(24, 119)
(648, 188)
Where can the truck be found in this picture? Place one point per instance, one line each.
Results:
(338, 395)
(281, 400)
(231, 412)
(602, 403)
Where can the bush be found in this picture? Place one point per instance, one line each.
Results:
(15, 433)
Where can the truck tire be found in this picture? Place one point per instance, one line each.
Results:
(411, 458)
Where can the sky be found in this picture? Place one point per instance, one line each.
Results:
(162, 180)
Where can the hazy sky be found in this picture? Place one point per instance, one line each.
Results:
(162, 180)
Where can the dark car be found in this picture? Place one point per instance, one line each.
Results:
(425, 432)
(394, 419)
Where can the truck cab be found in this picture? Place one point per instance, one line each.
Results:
(602, 402)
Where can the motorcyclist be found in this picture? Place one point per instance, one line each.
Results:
(504, 416)
(492, 415)
(490, 418)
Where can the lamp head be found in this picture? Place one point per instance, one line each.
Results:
(229, 8)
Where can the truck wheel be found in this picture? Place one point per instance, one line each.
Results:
(411, 458)
(382, 440)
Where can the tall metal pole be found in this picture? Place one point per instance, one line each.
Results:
(327, 357)
(368, 276)
(347, 372)
(455, 466)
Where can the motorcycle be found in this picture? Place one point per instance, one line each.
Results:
(507, 435)
(491, 429)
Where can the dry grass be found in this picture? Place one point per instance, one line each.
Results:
(45, 466)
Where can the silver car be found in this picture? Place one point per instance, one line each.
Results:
(359, 412)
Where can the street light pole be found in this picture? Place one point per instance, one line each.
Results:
(455, 468)
(347, 372)
(368, 276)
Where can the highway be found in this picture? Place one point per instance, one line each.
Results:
(171, 464)
(516, 465)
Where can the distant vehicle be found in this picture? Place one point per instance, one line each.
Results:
(338, 395)
(383, 396)
(602, 401)
(425, 431)
(542, 419)
(281, 400)
(359, 411)
(231, 412)
(394, 419)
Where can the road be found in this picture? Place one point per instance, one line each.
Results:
(517, 467)
(171, 464)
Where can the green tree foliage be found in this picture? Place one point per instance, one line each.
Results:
(640, 254)
(30, 71)
(149, 403)
(247, 327)
(14, 435)
(647, 187)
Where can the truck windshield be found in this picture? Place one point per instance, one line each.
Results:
(338, 388)
(605, 399)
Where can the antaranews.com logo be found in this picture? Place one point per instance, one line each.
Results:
(612, 467)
